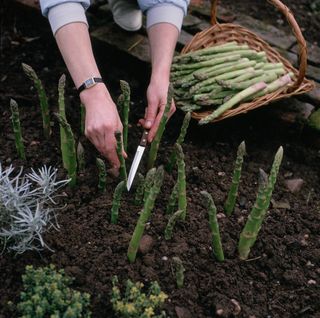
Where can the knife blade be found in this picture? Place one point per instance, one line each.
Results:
(137, 158)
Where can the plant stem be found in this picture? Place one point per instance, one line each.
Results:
(144, 215)
(81, 157)
(156, 141)
(125, 88)
(214, 226)
(171, 223)
(102, 174)
(179, 271)
(252, 227)
(15, 118)
(29, 71)
(123, 171)
(138, 199)
(172, 200)
(116, 201)
(182, 193)
(70, 149)
(180, 140)
(232, 195)
(148, 182)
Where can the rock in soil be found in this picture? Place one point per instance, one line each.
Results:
(294, 185)
(146, 244)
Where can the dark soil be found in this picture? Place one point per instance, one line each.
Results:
(281, 277)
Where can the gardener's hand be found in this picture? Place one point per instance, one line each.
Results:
(157, 99)
(102, 121)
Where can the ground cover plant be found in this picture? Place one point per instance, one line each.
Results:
(280, 276)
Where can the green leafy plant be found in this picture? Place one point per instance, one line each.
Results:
(29, 71)
(26, 211)
(15, 118)
(135, 303)
(47, 293)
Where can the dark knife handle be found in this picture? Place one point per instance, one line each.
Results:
(144, 139)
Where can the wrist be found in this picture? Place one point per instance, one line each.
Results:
(160, 76)
(94, 93)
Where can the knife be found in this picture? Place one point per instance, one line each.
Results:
(137, 158)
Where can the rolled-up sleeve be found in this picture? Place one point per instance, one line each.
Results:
(64, 12)
(164, 11)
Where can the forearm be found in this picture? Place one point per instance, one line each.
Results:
(75, 46)
(163, 38)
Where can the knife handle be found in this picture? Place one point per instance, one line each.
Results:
(144, 139)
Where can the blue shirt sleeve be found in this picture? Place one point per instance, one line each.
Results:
(47, 4)
(148, 4)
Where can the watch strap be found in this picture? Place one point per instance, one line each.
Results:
(89, 83)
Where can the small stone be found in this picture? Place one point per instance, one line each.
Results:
(309, 264)
(280, 204)
(237, 307)
(146, 244)
(288, 174)
(294, 185)
(240, 220)
(164, 258)
(221, 215)
(303, 242)
(312, 282)
(34, 143)
(221, 174)
(182, 312)
(219, 312)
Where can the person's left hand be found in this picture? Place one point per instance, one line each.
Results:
(157, 99)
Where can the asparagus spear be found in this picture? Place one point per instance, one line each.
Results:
(70, 149)
(148, 183)
(231, 199)
(182, 194)
(172, 199)
(80, 157)
(102, 174)
(251, 229)
(15, 118)
(138, 199)
(171, 223)
(125, 88)
(214, 226)
(233, 101)
(144, 215)
(123, 171)
(116, 201)
(156, 141)
(179, 270)
(180, 140)
(29, 71)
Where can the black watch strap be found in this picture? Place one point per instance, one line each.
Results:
(89, 83)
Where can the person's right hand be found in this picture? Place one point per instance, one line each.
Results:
(102, 121)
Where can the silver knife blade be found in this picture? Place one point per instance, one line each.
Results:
(137, 158)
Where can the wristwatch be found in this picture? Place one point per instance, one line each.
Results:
(89, 83)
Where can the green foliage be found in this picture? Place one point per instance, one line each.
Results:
(135, 303)
(46, 293)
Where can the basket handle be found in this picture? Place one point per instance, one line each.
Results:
(302, 56)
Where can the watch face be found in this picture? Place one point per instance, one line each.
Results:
(89, 82)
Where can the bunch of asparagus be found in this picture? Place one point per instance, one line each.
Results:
(222, 76)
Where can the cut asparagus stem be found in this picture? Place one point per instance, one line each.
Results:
(233, 192)
(233, 101)
(15, 119)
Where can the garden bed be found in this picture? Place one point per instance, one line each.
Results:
(282, 275)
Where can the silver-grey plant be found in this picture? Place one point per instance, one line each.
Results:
(25, 207)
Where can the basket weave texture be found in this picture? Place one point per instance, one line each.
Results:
(227, 32)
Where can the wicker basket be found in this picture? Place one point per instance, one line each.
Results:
(226, 32)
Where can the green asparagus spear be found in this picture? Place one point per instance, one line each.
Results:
(148, 182)
(231, 199)
(29, 71)
(171, 223)
(138, 199)
(80, 157)
(179, 271)
(116, 201)
(182, 194)
(125, 88)
(15, 118)
(251, 229)
(144, 215)
(102, 174)
(156, 141)
(70, 148)
(172, 199)
(214, 226)
(123, 171)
